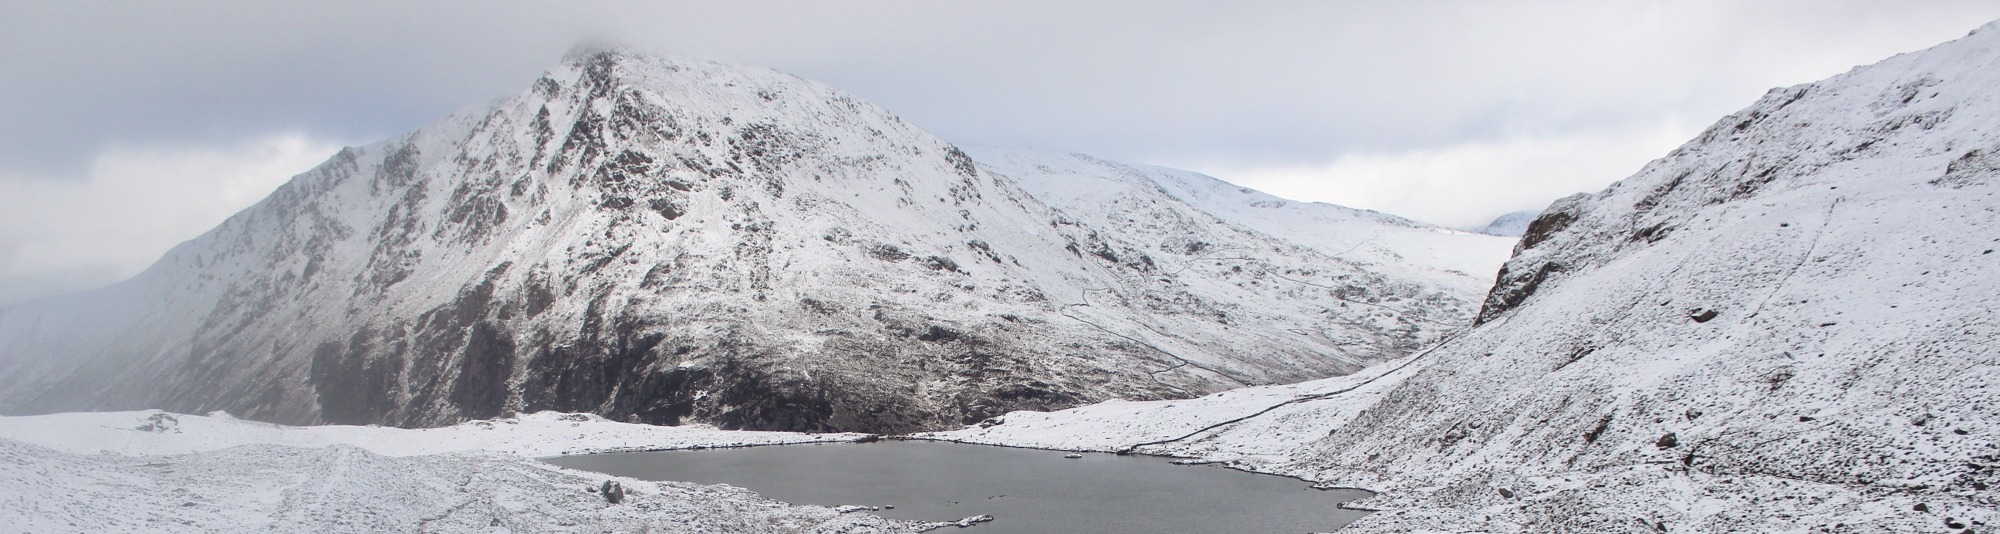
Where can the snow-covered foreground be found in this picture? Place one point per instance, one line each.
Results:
(153, 432)
(156, 472)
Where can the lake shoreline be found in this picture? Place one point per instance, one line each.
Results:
(1028, 489)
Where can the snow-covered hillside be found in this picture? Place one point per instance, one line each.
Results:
(1398, 283)
(663, 240)
(1785, 325)
(1236, 225)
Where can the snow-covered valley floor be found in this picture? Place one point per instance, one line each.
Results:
(151, 471)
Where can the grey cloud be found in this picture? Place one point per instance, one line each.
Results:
(16, 288)
(1282, 82)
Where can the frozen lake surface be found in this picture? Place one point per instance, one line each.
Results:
(1025, 490)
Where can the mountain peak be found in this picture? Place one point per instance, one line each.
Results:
(592, 46)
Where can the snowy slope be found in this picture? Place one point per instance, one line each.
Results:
(1117, 194)
(159, 472)
(1785, 325)
(1261, 428)
(667, 240)
(1399, 284)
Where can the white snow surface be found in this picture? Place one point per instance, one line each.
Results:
(1263, 425)
(1844, 235)
(153, 432)
(152, 471)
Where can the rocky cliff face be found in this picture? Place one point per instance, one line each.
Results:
(1787, 323)
(664, 240)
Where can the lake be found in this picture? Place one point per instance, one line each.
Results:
(1025, 490)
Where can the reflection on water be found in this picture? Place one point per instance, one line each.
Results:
(1025, 490)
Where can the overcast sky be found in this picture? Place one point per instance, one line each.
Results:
(128, 127)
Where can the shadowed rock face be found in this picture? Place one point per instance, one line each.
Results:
(1519, 280)
(666, 241)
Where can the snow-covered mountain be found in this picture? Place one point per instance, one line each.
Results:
(661, 240)
(1509, 225)
(1153, 203)
(1785, 325)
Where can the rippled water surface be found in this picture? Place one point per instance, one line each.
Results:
(1025, 490)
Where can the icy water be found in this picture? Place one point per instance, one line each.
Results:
(1025, 490)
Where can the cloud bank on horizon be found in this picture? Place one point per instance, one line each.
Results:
(132, 127)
